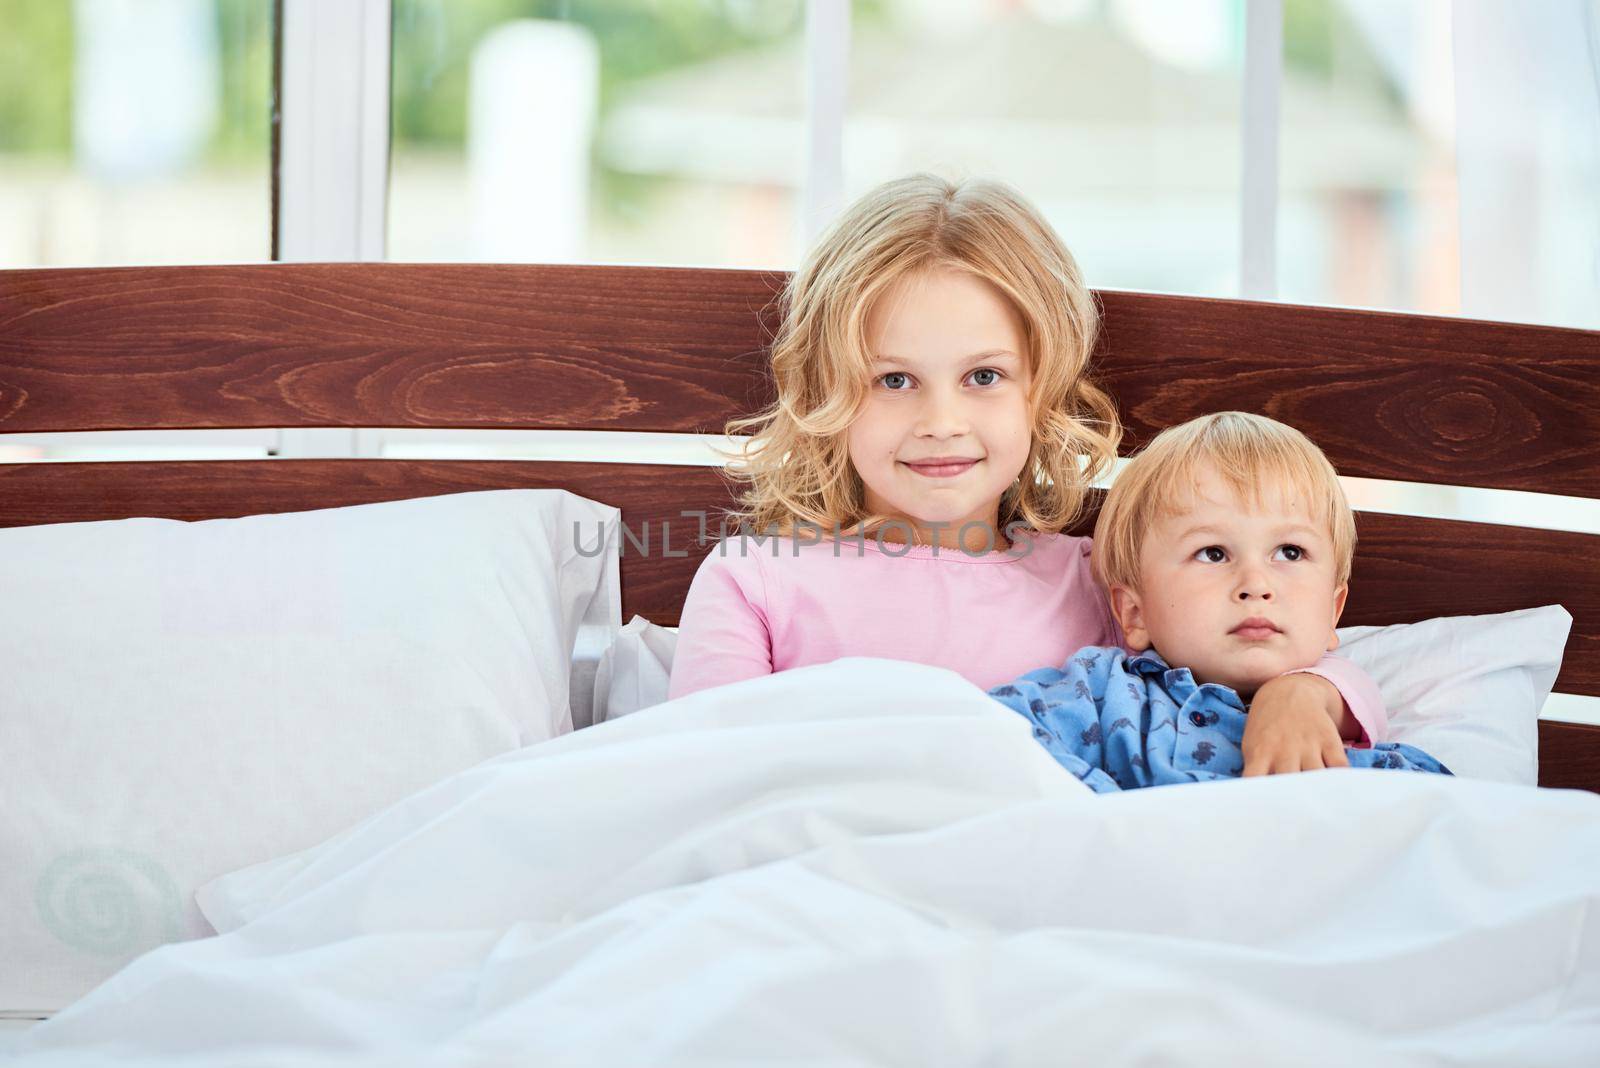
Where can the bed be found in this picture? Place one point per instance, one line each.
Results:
(596, 348)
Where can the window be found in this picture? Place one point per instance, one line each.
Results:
(1119, 119)
(135, 133)
(1368, 212)
(622, 131)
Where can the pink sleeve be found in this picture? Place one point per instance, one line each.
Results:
(723, 634)
(1360, 694)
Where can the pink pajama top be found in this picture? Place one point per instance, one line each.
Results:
(759, 607)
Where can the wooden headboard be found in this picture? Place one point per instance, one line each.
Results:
(1387, 396)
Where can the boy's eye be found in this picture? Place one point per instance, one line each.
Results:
(895, 380)
(1290, 553)
(1212, 554)
(993, 376)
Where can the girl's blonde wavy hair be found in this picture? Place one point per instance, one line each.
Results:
(796, 467)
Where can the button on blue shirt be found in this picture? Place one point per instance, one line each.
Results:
(1119, 722)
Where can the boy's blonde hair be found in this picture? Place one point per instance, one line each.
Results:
(796, 466)
(1247, 452)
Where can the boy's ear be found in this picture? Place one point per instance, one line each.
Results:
(1338, 610)
(1130, 616)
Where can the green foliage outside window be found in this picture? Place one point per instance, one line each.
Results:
(35, 77)
(36, 57)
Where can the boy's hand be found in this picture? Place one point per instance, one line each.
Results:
(1291, 726)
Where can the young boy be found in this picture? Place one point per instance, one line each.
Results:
(1225, 548)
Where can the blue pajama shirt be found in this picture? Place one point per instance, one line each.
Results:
(1119, 723)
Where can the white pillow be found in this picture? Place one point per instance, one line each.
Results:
(591, 646)
(634, 671)
(1467, 689)
(180, 699)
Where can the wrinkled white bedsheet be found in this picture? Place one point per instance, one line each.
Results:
(870, 862)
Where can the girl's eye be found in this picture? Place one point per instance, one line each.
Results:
(994, 376)
(1290, 553)
(1211, 554)
(895, 380)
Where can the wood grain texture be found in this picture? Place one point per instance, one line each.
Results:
(1569, 755)
(1409, 397)
(528, 346)
(382, 345)
(1408, 569)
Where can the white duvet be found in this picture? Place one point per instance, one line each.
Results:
(870, 862)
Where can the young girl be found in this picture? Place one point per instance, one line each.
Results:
(935, 430)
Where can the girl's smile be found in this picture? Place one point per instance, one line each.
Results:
(942, 466)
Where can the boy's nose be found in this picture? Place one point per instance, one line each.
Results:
(1253, 585)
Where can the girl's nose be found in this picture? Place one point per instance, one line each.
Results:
(941, 416)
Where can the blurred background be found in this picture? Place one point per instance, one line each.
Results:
(675, 132)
